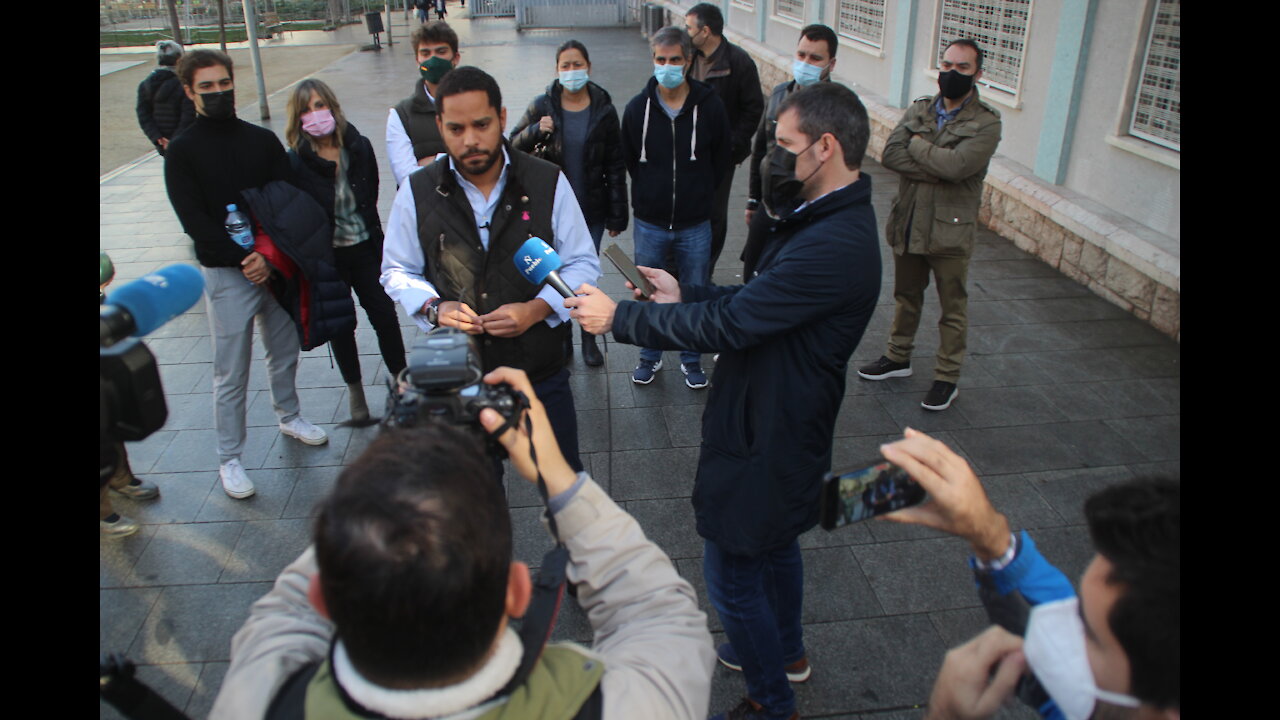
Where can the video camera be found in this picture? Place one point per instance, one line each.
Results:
(443, 383)
(131, 402)
(131, 406)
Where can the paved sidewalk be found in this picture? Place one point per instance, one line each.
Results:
(1062, 393)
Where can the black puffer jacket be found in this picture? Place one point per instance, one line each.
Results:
(300, 229)
(316, 176)
(605, 196)
(163, 108)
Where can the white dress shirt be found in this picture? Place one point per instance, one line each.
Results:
(403, 261)
(399, 147)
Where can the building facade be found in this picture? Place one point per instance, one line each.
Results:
(1087, 173)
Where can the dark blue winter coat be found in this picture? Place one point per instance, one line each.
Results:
(785, 338)
(301, 230)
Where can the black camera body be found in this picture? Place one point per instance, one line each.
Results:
(442, 383)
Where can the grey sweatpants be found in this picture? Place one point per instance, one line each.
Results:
(233, 305)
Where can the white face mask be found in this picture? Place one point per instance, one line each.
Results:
(1055, 650)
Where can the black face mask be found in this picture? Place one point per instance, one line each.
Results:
(786, 191)
(219, 105)
(953, 85)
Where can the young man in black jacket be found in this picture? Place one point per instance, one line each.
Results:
(163, 108)
(731, 72)
(675, 140)
(786, 337)
(205, 169)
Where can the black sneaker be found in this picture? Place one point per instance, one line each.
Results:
(883, 369)
(940, 396)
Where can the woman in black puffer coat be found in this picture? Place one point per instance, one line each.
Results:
(335, 164)
(575, 126)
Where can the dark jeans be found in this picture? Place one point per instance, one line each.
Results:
(690, 246)
(719, 219)
(557, 398)
(758, 599)
(359, 266)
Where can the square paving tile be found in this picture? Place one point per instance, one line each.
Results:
(1001, 407)
(1066, 490)
(186, 554)
(1000, 451)
(670, 524)
(1159, 438)
(1096, 443)
(918, 575)
(195, 623)
(638, 429)
(117, 556)
(645, 474)
(265, 548)
(121, 614)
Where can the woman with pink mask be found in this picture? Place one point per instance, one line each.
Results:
(335, 164)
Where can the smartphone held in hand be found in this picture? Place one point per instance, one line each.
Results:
(855, 495)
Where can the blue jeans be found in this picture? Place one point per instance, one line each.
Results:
(692, 247)
(758, 599)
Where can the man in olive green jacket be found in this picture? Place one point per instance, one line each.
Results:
(940, 149)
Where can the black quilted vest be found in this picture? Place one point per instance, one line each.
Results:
(418, 115)
(460, 268)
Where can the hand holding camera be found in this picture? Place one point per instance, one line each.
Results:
(555, 469)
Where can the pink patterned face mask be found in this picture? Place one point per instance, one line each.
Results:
(318, 123)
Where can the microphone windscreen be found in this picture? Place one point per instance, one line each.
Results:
(535, 260)
(158, 297)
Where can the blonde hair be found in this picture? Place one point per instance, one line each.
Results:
(299, 101)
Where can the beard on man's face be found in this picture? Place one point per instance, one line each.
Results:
(470, 161)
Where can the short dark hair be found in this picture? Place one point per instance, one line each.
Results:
(434, 32)
(708, 15)
(414, 551)
(818, 32)
(572, 45)
(969, 43)
(673, 35)
(466, 79)
(830, 107)
(192, 61)
(1136, 526)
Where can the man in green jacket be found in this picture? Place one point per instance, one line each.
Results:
(941, 150)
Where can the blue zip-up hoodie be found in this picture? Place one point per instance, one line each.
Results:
(675, 165)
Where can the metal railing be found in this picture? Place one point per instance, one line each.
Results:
(575, 13)
(493, 8)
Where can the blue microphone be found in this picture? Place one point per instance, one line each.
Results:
(537, 261)
(152, 300)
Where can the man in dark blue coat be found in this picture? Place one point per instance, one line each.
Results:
(785, 339)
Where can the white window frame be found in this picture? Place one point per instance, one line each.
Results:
(1001, 92)
(856, 40)
(800, 21)
(748, 5)
(1176, 93)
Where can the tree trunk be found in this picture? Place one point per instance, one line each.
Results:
(222, 25)
(173, 20)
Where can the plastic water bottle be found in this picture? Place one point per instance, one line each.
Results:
(237, 225)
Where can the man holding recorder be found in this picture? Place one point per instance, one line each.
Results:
(401, 607)
(1110, 653)
(785, 339)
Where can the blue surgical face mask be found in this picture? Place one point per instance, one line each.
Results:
(804, 73)
(669, 75)
(573, 80)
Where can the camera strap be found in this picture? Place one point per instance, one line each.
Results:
(548, 587)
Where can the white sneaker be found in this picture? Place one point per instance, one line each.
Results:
(304, 431)
(234, 482)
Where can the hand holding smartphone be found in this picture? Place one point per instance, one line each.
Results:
(855, 495)
(629, 270)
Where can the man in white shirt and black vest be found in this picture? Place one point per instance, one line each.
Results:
(454, 228)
